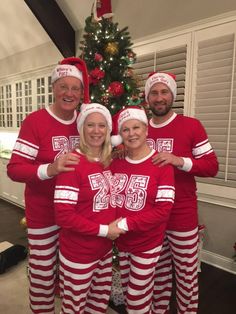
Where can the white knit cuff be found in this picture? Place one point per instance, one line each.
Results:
(103, 231)
(42, 172)
(187, 166)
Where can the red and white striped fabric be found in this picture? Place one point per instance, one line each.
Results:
(183, 137)
(144, 197)
(180, 248)
(85, 288)
(137, 279)
(43, 255)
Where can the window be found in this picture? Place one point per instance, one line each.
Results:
(19, 96)
(2, 107)
(19, 104)
(28, 96)
(41, 93)
(215, 96)
(50, 95)
(9, 117)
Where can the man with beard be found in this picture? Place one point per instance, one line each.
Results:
(182, 142)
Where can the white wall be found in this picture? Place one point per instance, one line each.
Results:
(147, 17)
(32, 59)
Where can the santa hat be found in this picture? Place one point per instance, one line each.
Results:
(75, 67)
(161, 77)
(102, 9)
(86, 109)
(123, 115)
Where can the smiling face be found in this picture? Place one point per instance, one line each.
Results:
(67, 93)
(160, 100)
(133, 133)
(95, 130)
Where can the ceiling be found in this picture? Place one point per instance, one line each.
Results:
(20, 30)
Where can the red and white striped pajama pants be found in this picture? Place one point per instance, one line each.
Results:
(180, 249)
(137, 279)
(85, 288)
(43, 260)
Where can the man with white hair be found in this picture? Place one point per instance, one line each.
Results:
(182, 142)
(41, 152)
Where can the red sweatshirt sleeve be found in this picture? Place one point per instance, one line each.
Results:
(66, 209)
(22, 166)
(204, 160)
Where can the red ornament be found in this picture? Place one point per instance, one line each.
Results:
(98, 57)
(116, 89)
(95, 75)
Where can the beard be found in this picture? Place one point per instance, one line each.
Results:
(161, 111)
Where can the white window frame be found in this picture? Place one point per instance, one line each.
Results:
(224, 195)
(32, 76)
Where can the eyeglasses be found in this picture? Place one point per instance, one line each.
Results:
(73, 89)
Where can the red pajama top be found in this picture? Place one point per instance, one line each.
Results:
(185, 137)
(82, 204)
(42, 138)
(144, 195)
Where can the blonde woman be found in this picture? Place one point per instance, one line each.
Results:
(83, 211)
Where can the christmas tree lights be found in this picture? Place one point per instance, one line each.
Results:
(107, 52)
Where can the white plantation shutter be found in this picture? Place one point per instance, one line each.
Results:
(170, 60)
(144, 65)
(215, 101)
(204, 63)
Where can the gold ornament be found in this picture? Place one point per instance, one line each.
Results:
(112, 48)
(105, 100)
(23, 223)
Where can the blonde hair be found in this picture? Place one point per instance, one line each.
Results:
(105, 157)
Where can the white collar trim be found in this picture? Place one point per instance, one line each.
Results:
(154, 125)
(61, 120)
(138, 161)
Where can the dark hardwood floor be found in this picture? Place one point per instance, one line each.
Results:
(217, 287)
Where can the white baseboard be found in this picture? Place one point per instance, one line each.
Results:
(218, 261)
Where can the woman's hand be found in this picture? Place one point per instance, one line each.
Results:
(113, 231)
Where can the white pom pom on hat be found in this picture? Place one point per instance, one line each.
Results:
(123, 115)
(161, 77)
(74, 67)
(87, 109)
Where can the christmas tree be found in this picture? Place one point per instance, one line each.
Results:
(107, 52)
